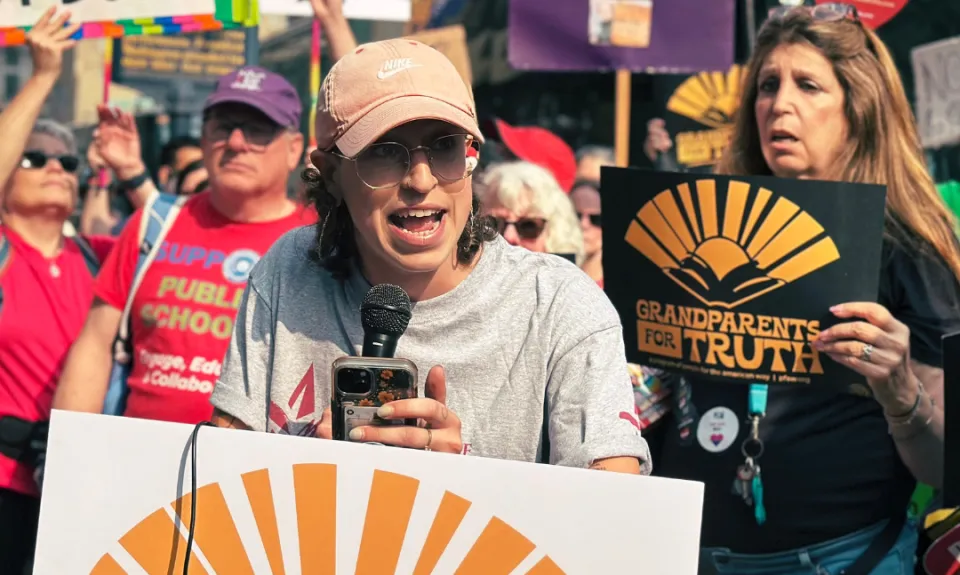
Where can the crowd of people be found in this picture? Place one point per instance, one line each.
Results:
(225, 290)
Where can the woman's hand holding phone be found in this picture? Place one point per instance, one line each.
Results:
(439, 428)
(325, 429)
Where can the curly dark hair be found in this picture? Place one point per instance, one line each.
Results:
(336, 247)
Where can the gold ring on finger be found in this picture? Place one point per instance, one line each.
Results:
(429, 440)
(866, 353)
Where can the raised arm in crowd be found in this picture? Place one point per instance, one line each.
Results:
(48, 40)
(46, 282)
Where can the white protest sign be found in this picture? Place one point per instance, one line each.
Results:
(19, 13)
(385, 10)
(936, 76)
(114, 488)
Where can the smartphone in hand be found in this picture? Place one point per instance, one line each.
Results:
(362, 384)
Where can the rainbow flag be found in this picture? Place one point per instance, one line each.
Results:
(229, 14)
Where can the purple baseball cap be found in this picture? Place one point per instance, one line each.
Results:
(261, 89)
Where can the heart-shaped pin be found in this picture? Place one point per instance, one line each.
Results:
(874, 13)
(716, 438)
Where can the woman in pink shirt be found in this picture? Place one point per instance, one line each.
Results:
(46, 282)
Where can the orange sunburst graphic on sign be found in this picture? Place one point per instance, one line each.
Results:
(158, 544)
(758, 244)
(710, 98)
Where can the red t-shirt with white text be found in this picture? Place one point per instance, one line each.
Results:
(45, 302)
(183, 312)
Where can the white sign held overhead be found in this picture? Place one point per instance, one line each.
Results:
(385, 10)
(117, 500)
(936, 76)
(19, 13)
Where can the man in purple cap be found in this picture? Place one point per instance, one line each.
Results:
(183, 310)
(256, 111)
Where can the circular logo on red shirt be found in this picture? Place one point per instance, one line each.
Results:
(237, 266)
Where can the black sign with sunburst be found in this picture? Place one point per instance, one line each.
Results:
(699, 110)
(732, 278)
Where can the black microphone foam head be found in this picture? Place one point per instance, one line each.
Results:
(386, 310)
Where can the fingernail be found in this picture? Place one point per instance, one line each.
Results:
(817, 344)
(356, 434)
(385, 411)
(834, 308)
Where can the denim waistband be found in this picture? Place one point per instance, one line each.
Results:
(802, 557)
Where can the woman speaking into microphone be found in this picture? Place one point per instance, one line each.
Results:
(504, 337)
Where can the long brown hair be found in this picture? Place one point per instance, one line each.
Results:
(884, 146)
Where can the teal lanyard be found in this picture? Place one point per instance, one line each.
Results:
(752, 448)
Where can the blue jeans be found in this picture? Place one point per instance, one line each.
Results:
(827, 558)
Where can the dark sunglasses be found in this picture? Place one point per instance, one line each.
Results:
(35, 159)
(594, 219)
(386, 164)
(527, 228)
(257, 134)
(832, 12)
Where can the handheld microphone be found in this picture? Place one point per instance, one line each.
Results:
(385, 314)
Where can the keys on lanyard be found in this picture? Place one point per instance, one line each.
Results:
(748, 483)
(743, 485)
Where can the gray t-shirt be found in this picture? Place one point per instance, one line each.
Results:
(520, 328)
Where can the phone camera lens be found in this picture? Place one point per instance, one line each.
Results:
(354, 380)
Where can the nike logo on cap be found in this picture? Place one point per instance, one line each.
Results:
(394, 67)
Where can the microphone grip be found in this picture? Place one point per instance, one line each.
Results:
(379, 345)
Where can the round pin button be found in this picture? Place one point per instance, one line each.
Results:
(718, 429)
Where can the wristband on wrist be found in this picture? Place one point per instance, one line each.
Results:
(915, 421)
(905, 418)
(134, 182)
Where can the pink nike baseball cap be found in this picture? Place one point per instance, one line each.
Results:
(382, 85)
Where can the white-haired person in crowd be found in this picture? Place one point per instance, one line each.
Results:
(530, 210)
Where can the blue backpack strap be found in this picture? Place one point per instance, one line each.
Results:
(89, 256)
(6, 252)
(157, 218)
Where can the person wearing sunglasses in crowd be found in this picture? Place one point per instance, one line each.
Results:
(585, 196)
(500, 334)
(46, 281)
(529, 209)
(823, 100)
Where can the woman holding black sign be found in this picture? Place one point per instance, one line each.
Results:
(822, 100)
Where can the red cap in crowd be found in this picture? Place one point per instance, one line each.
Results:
(541, 147)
